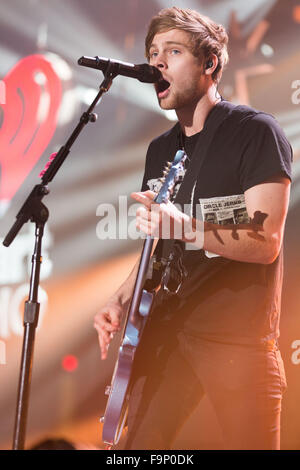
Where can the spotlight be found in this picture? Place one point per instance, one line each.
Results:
(296, 14)
(69, 363)
(267, 50)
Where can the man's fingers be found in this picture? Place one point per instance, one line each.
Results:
(107, 323)
(143, 213)
(145, 198)
(110, 324)
(109, 319)
(114, 315)
(104, 335)
(106, 327)
(104, 340)
(103, 346)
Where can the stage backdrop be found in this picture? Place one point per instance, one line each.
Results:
(86, 251)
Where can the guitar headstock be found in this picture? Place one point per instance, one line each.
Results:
(171, 176)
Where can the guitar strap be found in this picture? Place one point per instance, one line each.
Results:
(185, 194)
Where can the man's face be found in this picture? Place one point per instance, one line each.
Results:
(171, 53)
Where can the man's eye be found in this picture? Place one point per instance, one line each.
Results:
(153, 54)
(175, 51)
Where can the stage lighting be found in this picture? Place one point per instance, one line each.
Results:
(296, 14)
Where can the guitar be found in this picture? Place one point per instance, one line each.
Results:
(116, 411)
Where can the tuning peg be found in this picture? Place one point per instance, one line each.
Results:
(165, 172)
(162, 180)
(169, 164)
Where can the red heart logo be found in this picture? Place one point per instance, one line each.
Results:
(28, 119)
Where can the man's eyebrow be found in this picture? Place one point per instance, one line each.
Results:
(171, 42)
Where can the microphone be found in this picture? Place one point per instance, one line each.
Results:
(143, 72)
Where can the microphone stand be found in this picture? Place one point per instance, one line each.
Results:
(34, 210)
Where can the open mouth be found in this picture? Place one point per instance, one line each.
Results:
(162, 88)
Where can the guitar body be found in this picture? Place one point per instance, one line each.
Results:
(117, 404)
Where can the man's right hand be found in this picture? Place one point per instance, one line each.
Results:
(107, 323)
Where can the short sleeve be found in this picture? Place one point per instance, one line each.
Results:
(266, 151)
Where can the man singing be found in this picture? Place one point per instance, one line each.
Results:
(215, 332)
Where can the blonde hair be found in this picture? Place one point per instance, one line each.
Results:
(206, 36)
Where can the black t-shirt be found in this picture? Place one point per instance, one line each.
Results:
(222, 299)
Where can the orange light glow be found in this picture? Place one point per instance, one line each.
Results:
(296, 13)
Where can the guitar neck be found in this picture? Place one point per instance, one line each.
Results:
(140, 278)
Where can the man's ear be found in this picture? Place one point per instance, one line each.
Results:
(211, 64)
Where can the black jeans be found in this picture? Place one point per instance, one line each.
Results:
(244, 384)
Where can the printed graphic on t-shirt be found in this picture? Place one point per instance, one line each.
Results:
(223, 211)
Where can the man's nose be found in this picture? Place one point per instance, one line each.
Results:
(160, 62)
